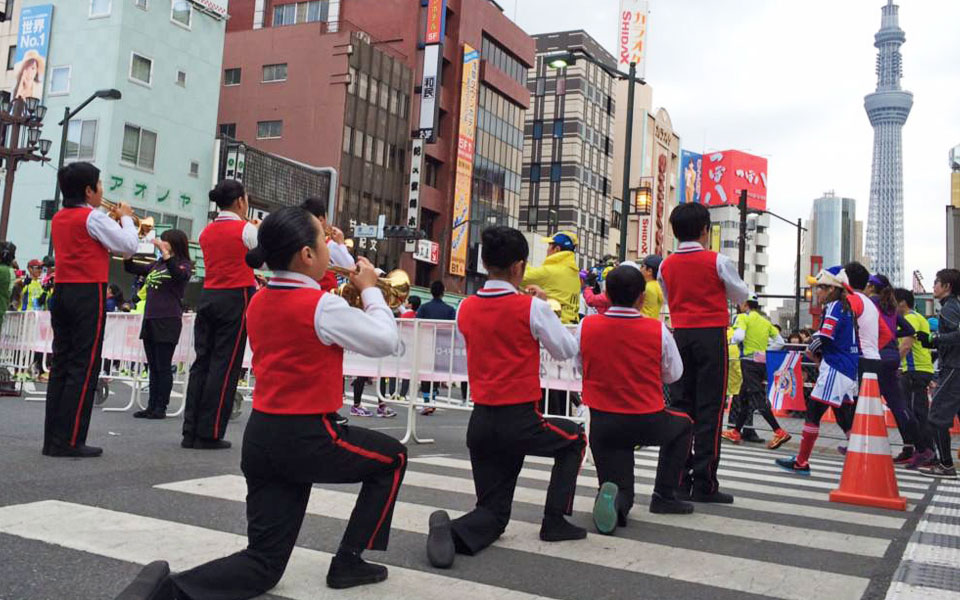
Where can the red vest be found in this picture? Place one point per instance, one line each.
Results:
(621, 363)
(329, 281)
(696, 295)
(297, 374)
(80, 258)
(224, 256)
(503, 357)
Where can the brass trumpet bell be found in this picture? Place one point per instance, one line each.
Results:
(144, 226)
(395, 287)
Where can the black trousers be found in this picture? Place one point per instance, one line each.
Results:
(220, 338)
(78, 319)
(613, 437)
(737, 404)
(499, 437)
(754, 395)
(160, 364)
(913, 387)
(700, 393)
(283, 456)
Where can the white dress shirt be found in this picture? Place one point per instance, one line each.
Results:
(737, 290)
(120, 239)
(371, 332)
(671, 365)
(249, 230)
(545, 325)
(340, 256)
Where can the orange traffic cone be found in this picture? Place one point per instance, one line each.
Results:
(868, 478)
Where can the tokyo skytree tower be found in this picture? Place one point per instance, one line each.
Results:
(888, 109)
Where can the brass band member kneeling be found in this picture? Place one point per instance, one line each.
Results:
(298, 333)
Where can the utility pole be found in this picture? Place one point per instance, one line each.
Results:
(627, 158)
(799, 253)
(742, 263)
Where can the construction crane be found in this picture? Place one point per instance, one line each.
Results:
(918, 283)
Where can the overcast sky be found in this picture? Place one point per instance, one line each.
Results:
(786, 79)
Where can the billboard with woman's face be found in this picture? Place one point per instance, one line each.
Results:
(33, 41)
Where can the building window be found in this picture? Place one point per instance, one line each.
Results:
(11, 58)
(558, 128)
(60, 81)
(273, 73)
(181, 78)
(363, 86)
(347, 138)
(378, 152)
(269, 129)
(100, 8)
(194, 169)
(561, 86)
(555, 172)
(231, 76)
(538, 130)
(301, 12)
(139, 147)
(501, 58)
(228, 130)
(141, 69)
(535, 173)
(81, 140)
(358, 143)
(181, 12)
(142, 4)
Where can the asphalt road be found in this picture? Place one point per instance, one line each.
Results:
(80, 529)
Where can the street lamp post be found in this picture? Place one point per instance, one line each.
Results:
(800, 229)
(16, 116)
(110, 94)
(567, 58)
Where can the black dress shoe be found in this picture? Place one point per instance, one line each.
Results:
(152, 583)
(187, 442)
(157, 415)
(717, 497)
(440, 546)
(199, 444)
(83, 451)
(142, 414)
(558, 529)
(349, 570)
(662, 505)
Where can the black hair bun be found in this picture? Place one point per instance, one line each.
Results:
(214, 196)
(255, 258)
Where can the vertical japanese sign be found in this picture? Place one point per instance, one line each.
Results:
(429, 92)
(436, 21)
(716, 237)
(632, 34)
(413, 196)
(643, 236)
(465, 142)
(33, 41)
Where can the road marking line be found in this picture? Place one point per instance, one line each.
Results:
(779, 581)
(138, 539)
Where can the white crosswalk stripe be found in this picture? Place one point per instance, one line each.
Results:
(785, 515)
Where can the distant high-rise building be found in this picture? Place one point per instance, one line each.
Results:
(833, 234)
(888, 109)
(953, 211)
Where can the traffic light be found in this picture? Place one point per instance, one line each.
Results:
(47, 209)
(402, 232)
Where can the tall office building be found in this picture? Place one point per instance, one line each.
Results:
(888, 109)
(834, 235)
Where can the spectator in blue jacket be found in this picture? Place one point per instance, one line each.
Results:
(437, 308)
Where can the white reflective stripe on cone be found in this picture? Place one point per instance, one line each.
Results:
(870, 406)
(869, 444)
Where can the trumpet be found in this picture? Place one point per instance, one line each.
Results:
(144, 226)
(395, 287)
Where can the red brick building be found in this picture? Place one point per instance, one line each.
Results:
(335, 83)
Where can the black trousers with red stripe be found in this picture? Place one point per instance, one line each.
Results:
(499, 437)
(701, 393)
(220, 339)
(614, 436)
(78, 318)
(283, 456)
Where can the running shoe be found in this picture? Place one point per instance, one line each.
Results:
(842, 450)
(939, 471)
(732, 435)
(359, 411)
(385, 412)
(921, 459)
(780, 437)
(790, 464)
(339, 419)
(605, 508)
(905, 456)
(427, 410)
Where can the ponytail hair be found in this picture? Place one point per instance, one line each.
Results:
(226, 193)
(281, 236)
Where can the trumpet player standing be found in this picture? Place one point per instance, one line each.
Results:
(339, 253)
(83, 239)
(220, 333)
